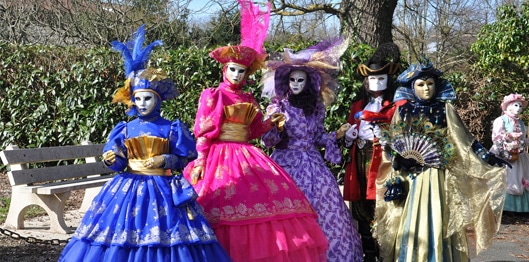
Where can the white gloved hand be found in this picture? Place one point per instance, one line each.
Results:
(351, 135)
(154, 162)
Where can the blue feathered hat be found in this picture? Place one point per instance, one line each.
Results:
(424, 68)
(140, 78)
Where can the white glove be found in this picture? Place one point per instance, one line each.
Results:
(154, 162)
(351, 135)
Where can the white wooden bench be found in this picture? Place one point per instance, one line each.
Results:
(46, 176)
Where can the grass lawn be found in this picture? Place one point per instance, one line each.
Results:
(33, 211)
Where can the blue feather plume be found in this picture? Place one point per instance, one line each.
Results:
(135, 57)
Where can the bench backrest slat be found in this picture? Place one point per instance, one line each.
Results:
(48, 154)
(44, 174)
(26, 166)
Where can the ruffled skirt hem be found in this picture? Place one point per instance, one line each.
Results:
(517, 203)
(87, 251)
(295, 239)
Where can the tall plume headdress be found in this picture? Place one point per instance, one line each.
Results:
(138, 77)
(321, 62)
(254, 29)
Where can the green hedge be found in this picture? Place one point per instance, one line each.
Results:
(61, 95)
(54, 96)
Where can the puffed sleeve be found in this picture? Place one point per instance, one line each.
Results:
(273, 136)
(207, 122)
(258, 127)
(116, 144)
(182, 147)
(327, 140)
(498, 131)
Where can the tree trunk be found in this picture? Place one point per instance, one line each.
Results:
(368, 21)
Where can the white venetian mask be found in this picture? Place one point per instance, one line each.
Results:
(297, 80)
(235, 73)
(515, 108)
(378, 82)
(145, 102)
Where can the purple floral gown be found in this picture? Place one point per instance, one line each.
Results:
(296, 150)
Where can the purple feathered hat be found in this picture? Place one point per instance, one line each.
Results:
(321, 62)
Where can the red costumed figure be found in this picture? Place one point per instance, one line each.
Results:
(375, 96)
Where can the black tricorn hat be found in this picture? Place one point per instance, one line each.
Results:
(385, 60)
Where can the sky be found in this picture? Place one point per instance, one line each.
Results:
(203, 6)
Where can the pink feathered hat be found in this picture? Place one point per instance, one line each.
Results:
(513, 98)
(254, 29)
(238, 54)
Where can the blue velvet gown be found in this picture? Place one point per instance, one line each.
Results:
(146, 214)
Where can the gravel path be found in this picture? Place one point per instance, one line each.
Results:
(510, 244)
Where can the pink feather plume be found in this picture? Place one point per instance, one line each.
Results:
(254, 25)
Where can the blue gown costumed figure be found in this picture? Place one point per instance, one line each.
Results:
(147, 212)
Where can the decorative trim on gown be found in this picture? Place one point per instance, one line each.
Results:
(296, 151)
(255, 208)
(144, 214)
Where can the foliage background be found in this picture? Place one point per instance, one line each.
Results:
(61, 95)
(58, 95)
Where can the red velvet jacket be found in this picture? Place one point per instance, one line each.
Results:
(351, 184)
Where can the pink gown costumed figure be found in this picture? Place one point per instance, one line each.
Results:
(509, 135)
(255, 208)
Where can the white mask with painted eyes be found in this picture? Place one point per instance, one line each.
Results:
(145, 102)
(378, 82)
(235, 73)
(297, 80)
(515, 108)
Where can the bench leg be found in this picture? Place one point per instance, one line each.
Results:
(89, 195)
(52, 204)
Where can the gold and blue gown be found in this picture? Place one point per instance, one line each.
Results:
(146, 214)
(445, 210)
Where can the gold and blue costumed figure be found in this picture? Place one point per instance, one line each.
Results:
(148, 211)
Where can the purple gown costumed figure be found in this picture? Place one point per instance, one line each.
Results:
(509, 135)
(301, 85)
(148, 211)
(255, 208)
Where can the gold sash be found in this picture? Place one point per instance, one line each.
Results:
(237, 118)
(136, 167)
(142, 148)
(233, 132)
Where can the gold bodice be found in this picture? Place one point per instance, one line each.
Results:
(237, 119)
(142, 148)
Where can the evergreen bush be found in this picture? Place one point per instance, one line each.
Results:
(54, 96)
